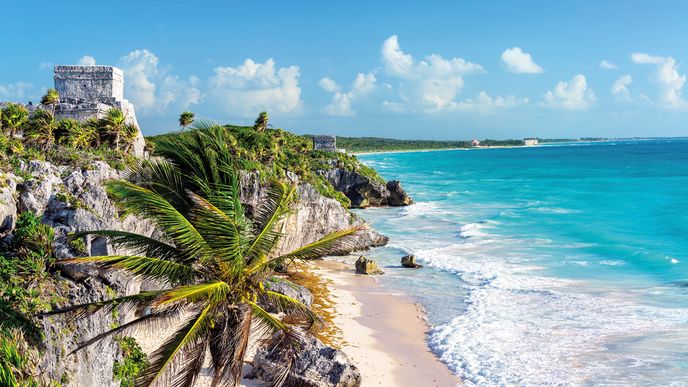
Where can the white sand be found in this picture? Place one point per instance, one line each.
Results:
(384, 334)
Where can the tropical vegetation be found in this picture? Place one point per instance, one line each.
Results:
(39, 135)
(186, 119)
(211, 260)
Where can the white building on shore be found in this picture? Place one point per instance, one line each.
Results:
(530, 141)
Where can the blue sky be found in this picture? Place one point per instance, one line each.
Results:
(435, 70)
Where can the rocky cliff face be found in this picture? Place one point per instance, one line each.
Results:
(314, 216)
(363, 191)
(73, 200)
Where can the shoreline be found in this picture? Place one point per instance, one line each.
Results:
(446, 149)
(384, 334)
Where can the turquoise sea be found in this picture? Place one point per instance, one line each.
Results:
(551, 265)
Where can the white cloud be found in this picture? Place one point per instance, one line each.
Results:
(16, 92)
(340, 105)
(571, 95)
(667, 77)
(620, 87)
(154, 90)
(486, 104)
(251, 87)
(87, 60)
(520, 62)
(607, 65)
(329, 85)
(430, 84)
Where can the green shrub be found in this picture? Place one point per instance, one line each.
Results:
(135, 361)
(18, 360)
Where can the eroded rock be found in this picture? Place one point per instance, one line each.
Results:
(367, 266)
(409, 261)
(316, 365)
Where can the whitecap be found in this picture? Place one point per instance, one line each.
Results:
(617, 262)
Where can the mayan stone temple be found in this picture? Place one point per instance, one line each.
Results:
(89, 91)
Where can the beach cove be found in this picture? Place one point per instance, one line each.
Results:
(530, 265)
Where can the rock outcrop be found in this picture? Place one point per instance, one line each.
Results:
(8, 206)
(367, 266)
(73, 200)
(290, 289)
(365, 192)
(314, 216)
(316, 365)
(409, 261)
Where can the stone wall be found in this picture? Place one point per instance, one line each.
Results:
(90, 91)
(89, 83)
(328, 143)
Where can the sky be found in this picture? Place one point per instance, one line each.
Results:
(409, 70)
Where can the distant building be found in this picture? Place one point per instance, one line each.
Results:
(475, 142)
(530, 141)
(326, 143)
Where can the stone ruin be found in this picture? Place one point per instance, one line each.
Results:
(326, 143)
(89, 92)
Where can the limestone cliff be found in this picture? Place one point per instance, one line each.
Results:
(74, 199)
(363, 191)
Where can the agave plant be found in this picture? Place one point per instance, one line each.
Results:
(210, 259)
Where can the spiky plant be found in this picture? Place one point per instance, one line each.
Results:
(186, 119)
(211, 260)
(261, 122)
(41, 129)
(14, 116)
(50, 99)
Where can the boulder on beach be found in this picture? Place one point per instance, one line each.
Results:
(367, 266)
(316, 365)
(410, 262)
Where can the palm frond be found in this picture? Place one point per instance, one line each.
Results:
(215, 291)
(337, 240)
(169, 272)
(228, 343)
(268, 216)
(161, 176)
(148, 319)
(138, 244)
(191, 333)
(218, 229)
(156, 208)
(85, 310)
(293, 307)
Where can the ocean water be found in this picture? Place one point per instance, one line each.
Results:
(552, 265)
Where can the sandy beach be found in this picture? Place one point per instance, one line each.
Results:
(383, 333)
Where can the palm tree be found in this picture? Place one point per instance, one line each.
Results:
(261, 122)
(114, 125)
(14, 116)
(211, 260)
(186, 119)
(51, 99)
(41, 129)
